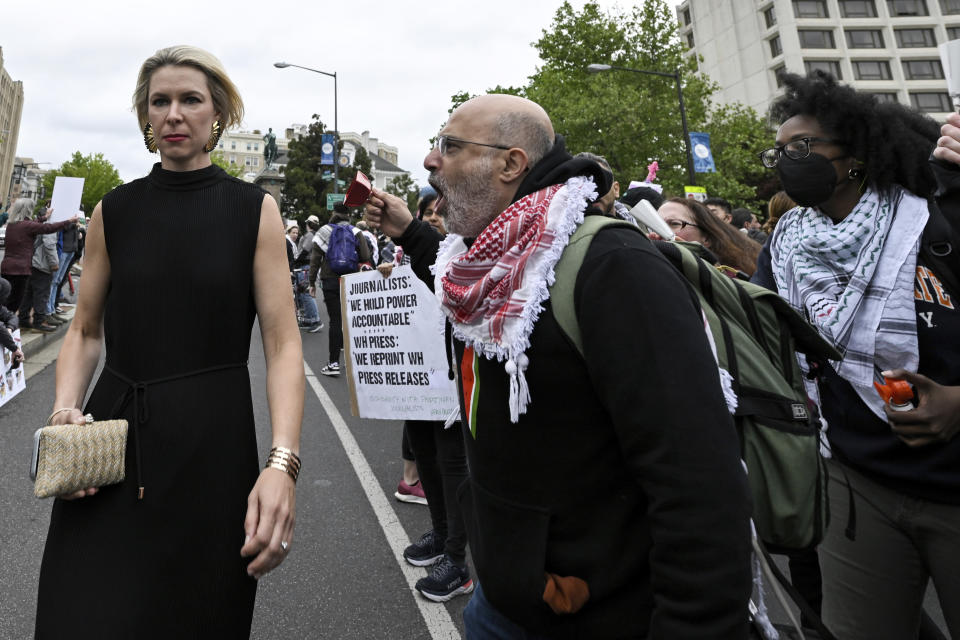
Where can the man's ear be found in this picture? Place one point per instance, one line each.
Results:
(616, 190)
(515, 164)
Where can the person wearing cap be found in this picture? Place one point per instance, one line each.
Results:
(305, 244)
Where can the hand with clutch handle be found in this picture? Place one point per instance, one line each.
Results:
(73, 416)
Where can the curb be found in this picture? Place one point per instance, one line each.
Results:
(32, 342)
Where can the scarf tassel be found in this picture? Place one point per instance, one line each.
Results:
(519, 390)
(726, 383)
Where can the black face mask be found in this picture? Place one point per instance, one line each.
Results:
(810, 181)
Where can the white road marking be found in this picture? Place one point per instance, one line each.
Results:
(438, 619)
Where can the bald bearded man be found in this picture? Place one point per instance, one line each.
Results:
(606, 497)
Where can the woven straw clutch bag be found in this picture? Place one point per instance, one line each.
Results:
(71, 457)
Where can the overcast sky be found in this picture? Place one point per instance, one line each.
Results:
(397, 64)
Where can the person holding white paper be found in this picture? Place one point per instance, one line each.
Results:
(18, 251)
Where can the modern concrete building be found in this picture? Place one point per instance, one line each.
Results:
(11, 109)
(884, 47)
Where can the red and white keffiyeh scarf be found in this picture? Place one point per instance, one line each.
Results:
(493, 292)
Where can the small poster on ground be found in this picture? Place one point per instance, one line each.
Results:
(14, 380)
(393, 345)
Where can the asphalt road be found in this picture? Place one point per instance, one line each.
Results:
(343, 579)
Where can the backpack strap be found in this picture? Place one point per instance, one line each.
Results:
(566, 270)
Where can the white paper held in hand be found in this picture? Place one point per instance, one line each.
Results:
(65, 201)
(950, 58)
(647, 215)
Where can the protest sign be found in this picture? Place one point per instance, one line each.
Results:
(14, 380)
(950, 60)
(65, 200)
(393, 342)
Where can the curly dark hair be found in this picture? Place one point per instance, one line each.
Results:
(893, 142)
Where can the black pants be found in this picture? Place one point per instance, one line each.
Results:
(442, 465)
(331, 299)
(405, 451)
(36, 295)
(18, 285)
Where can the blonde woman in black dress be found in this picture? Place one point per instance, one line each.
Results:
(175, 550)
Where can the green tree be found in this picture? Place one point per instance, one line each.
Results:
(405, 187)
(99, 177)
(218, 158)
(307, 181)
(633, 119)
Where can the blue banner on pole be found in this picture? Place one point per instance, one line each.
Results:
(326, 149)
(702, 155)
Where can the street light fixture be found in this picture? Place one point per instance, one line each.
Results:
(336, 128)
(599, 68)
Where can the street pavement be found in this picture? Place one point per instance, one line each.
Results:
(344, 577)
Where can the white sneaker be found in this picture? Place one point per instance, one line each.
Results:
(332, 369)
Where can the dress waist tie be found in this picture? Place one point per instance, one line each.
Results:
(141, 410)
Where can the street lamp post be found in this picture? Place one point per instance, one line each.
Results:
(599, 68)
(336, 128)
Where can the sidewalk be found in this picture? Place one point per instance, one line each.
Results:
(31, 342)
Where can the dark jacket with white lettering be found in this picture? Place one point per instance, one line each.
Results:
(624, 471)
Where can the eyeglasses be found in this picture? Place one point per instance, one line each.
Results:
(443, 142)
(680, 225)
(795, 150)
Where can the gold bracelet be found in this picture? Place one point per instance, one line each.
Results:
(286, 464)
(61, 410)
(286, 458)
(287, 452)
(285, 468)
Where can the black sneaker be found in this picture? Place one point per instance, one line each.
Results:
(425, 551)
(315, 327)
(332, 370)
(445, 581)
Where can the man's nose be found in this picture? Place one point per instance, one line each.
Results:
(432, 161)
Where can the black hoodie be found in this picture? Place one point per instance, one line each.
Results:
(625, 470)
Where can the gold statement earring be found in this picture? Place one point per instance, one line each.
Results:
(148, 138)
(215, 132)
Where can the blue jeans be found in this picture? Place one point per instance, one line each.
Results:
(309, 306)
(57, 279)
(482, 622)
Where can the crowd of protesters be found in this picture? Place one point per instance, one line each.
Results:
(623, 510)
(876, 466)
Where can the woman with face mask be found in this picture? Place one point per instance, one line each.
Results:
(852, 257)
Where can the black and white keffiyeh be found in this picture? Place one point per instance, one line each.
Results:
(854, 281)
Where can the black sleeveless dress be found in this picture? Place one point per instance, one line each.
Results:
(177, 324)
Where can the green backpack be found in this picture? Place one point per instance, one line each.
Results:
(757, 334)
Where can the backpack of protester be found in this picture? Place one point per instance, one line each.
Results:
(342, 250)
(757, 334)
